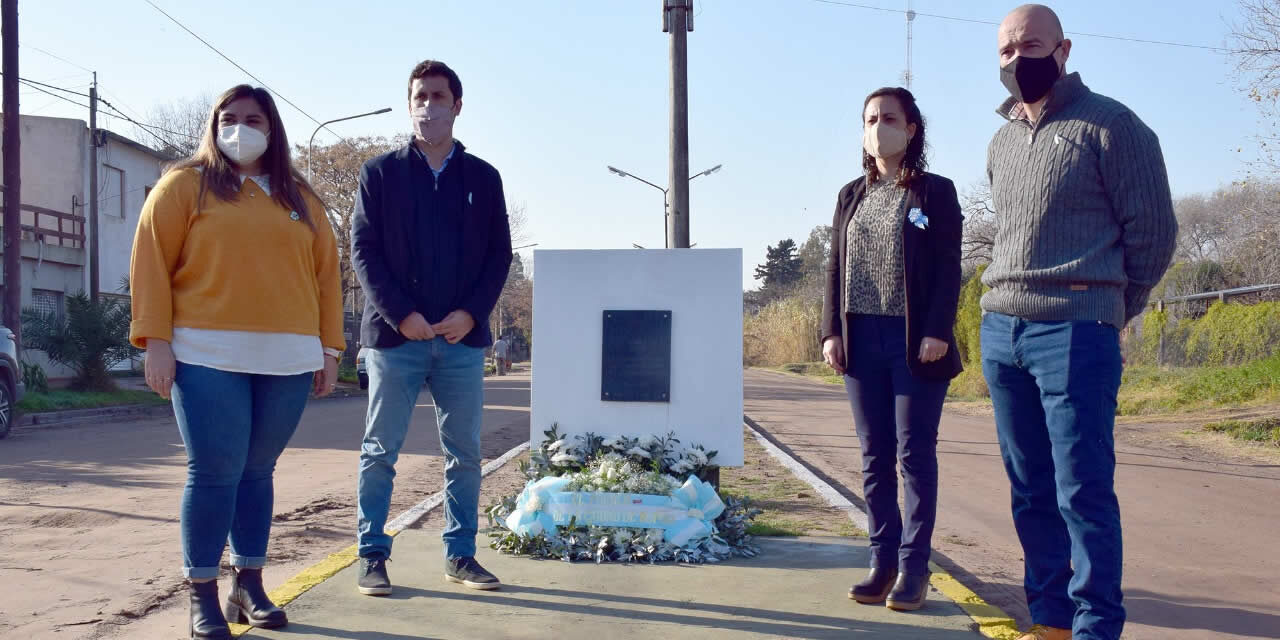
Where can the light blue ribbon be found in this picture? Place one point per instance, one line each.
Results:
(530, 518)
(684, 515)
(702, 506)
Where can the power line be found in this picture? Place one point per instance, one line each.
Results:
(60, 97)
(49, 86)
(854, 5)
(54, 56)
(237, 65)
(121, 114)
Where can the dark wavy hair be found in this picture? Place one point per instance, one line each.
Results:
(913, 163)
(219, 176)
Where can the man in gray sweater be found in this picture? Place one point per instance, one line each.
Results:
(1085, 230)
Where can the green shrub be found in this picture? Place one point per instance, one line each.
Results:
(34, 378)
(90, 338)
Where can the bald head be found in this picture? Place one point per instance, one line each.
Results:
(1032, 30)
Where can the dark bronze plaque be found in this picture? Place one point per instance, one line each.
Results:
(636, 359)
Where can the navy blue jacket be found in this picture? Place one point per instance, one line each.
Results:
(388, 251)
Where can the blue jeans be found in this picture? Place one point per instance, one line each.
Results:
(896, 415)
(234, 426)
(1053, 386)
(455, 375)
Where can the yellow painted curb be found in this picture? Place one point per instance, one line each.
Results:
(306, 579)
(992, 621)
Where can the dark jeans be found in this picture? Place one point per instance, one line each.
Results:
(896, 415)
(234, 426)
(1053, 387)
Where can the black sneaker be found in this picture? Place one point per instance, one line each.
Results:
(468, 572)
(373, 577)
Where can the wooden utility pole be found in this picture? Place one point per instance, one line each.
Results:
(94, 279)
(677, 21)
(12, 173)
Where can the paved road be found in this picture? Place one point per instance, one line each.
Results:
(88, 514)
(1201, 530)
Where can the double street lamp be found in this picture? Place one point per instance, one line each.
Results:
(665, 204)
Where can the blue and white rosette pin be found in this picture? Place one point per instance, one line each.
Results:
(530, 518)
(702, 506)
(917, 217)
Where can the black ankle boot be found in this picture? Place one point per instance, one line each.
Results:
(247, 602)
(206, 619)
(874, 589)
(909, 592)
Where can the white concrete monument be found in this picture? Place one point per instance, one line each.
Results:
(639, 302)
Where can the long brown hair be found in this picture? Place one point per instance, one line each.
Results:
(913, 162)
(220, 177)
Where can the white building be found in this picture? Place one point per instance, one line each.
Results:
(55, 195)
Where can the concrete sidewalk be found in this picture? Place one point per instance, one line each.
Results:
(795, 589)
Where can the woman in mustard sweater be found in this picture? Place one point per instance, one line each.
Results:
(237, 300)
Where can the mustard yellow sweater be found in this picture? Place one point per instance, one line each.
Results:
(244, 265)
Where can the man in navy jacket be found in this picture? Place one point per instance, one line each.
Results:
(431, 244)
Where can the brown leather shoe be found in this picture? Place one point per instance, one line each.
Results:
(1041, 632)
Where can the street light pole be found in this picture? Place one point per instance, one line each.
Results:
(322, 125)
(665, 200)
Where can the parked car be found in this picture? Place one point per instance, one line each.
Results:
(11, 386)
(362, 373)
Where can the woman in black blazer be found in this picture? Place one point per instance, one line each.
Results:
(893, 282)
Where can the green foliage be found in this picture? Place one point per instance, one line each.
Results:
(59, 400)
(1148, 389)
(90, 338)
(1263, 431)
(347, 373)
(782, 267)
(968, 328)
(33, 378)
(1227, 334)
(970, 384)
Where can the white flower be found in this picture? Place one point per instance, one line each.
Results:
(698, 456)
(534, 504)
(612, 443)
(564, 458)
(637, 451)
(555, 445)
(648, 442)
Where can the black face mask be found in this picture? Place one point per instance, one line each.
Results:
(1029, 79)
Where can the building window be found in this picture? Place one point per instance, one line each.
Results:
(111, 192)
(47, 301)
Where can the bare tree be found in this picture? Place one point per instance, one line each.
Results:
(979, 224)
(178, 125)
(1256, 49)
(335, 177)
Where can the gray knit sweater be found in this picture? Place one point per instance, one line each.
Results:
(1085, 224)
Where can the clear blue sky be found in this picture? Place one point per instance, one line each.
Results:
(555, 90)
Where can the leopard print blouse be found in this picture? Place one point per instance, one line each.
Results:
(873, 278)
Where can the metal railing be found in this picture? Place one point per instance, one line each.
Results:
(1221, 295)
(72, 237)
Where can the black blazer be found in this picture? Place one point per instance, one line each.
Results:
(931, 261)
(384, 235)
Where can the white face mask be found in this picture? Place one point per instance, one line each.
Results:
(241, 143)
(884, 141)
(433, 124)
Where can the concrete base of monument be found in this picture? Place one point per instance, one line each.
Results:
(796, 589)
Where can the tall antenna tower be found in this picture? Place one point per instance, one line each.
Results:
(906, 75)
